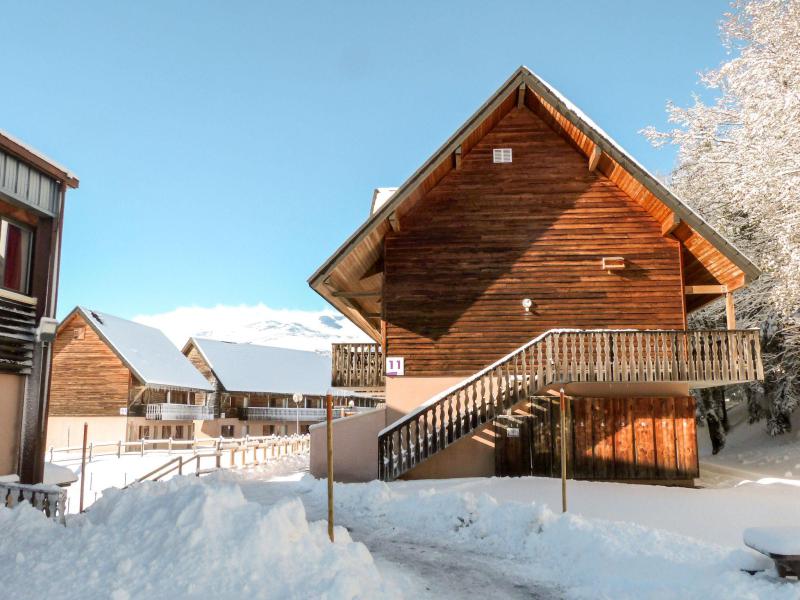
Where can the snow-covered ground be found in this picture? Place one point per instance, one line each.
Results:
(751, 453)
(107, 471)
(261, 533)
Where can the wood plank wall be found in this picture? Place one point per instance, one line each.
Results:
(609, 439)
(490, 235)
(201, 365)
(87, 378)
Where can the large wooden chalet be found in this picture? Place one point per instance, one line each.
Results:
(32, 194)
(531, 254)
(125, 379)
(255, 386)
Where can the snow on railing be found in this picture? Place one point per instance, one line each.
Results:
(178, 412)
(270, 447)
(267, 413)
(50, 499)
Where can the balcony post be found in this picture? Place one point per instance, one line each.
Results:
(730, 310)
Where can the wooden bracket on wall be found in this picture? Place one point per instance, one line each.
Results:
(354, 294)
(394, 222)
(690, 290)
(457, 158)
(594, 158)
(521, 95)
(670, 224)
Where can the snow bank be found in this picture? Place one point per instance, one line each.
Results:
(182, 539)
(588, 557)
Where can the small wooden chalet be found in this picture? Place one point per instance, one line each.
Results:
(127, 380)
(255, 387)
(528, 255)
(33, 190)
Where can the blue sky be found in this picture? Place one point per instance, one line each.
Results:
(226, 148)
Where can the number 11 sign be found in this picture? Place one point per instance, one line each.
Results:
(395, 366)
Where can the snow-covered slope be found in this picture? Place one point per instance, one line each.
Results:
(259, 324)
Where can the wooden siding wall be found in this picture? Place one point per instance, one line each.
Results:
(489, 235)
(609, 439)
(87, 377)
(201, 365)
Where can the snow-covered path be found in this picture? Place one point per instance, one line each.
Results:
(456, 538)
(423, 570)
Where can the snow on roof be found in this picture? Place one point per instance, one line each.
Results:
(146, 351)
(266, 369)
(40, 155)
(380, 196)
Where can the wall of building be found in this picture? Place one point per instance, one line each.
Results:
(68, 431)
(489, 235)
(11, 390)
(355, 447)
(88, 379)
(404, 394)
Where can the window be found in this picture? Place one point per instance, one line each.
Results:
(501, 155)
(226, 431)
(178, 432)
(144, 432)
(15, 256)
(165, 432)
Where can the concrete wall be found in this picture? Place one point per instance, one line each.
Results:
(404, 394)
(11, 390)
(68, 431)
(355, 447)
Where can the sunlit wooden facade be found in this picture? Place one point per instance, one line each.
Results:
(530, 253)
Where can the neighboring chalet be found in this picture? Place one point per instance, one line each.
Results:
(531, 254)
(125, 379)
(255, 386)
(32, 193)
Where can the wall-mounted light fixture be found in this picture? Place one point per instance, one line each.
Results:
(526, 304)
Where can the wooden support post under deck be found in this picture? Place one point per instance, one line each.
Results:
(594, 158)
(730, 310)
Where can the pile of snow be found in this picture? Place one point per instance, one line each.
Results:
(587, 557)
(259, 324)
(185, 538)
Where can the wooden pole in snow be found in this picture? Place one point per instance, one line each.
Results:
(329, 403)
(83, 464)
(563, 412)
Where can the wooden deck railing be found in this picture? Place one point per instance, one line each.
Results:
(698, 358)
(357, 366)
(50, 499)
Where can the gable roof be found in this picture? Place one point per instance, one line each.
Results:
(264, 369)
(347, 279)
(146, 351)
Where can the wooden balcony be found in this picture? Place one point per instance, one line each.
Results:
(559, 357)
(357, 366)
(178, 412)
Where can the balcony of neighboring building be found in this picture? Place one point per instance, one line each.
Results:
(358, 367)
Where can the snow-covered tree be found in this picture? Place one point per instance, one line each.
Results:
(739, 166)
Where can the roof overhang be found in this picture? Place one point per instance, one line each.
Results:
(38, 160)
(349, 279)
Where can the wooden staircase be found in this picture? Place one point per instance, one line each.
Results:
(701, 358)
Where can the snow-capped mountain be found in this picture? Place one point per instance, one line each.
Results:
(298, 329)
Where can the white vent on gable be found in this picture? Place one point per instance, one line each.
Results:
(501, 155)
